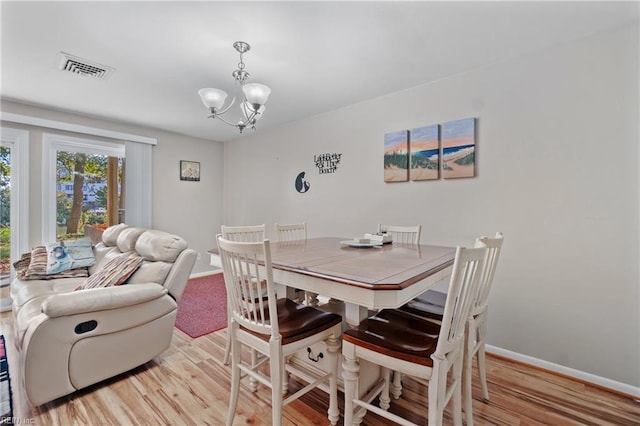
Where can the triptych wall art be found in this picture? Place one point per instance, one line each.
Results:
(429, 152)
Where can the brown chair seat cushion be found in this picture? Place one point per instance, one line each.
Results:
(429, 304)
(297, 321)
(433, 297)
(397, 334)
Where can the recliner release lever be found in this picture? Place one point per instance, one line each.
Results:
(85, 327)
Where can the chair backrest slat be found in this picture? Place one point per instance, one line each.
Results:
(248, 233)
(494, 246)
(291, 231)
(402, 234)
(463, 286)
(248, 279)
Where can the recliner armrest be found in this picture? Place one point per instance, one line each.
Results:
(99, 299)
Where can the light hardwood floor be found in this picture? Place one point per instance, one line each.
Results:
(188, 385)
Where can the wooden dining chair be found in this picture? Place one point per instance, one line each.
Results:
(296, 232)
(431, 305)
(291, 231)
(400, 341)
(273, 328)
(243, 233)
(402, 234)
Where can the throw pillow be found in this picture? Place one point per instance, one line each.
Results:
(36, 269)
(114, 272)
(65, 255)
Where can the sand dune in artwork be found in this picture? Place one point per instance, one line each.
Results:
(395, 174)
(451, 169)
(423, 174)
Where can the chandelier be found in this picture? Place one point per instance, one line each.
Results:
(254, 96)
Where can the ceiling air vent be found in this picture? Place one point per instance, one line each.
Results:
(84, 67)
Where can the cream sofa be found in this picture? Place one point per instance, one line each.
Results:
(69, 339)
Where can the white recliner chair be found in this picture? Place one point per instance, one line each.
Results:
(69, 339)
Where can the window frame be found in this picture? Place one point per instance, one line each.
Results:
(18, 142)
(51, 144)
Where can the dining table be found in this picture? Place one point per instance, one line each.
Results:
(356, 277)
(364, 275)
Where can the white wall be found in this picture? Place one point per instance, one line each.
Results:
(557, 172)
(192, 210)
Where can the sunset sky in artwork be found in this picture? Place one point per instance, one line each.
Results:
(458, 133)
(395, 142)
(423, 138)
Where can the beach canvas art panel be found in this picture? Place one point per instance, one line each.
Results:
(459, 148)
(396, 156)
(424, 151)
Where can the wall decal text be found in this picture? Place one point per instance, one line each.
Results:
(327, 163)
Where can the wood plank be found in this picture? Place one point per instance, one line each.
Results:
(188, 385)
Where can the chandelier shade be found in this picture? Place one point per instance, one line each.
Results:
(253, 96)
(256, 94)
(212, 98)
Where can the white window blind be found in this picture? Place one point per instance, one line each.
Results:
(139, 169)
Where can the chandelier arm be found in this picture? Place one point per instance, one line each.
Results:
(233, 101)
(251, 119)
(226, 122)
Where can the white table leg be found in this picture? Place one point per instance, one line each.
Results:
(283, 291)
(355, 313)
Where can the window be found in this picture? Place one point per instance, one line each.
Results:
(14, 201)
(80, 205)
(138, 150)
(76, 164)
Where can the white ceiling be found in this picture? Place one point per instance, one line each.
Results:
(316, 56)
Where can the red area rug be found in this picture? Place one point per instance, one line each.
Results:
(202, 309)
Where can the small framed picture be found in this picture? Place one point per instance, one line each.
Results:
(190, 170)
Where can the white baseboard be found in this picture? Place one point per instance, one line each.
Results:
(205, 273)
(624, 388)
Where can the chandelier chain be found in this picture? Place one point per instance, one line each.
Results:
(241, 63)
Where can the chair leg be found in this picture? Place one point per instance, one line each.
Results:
(285, 377)
(350, 369)
(396, 388)
(333, 354)
(384, 394)
(467, 371)
(235, 382)
(227, 348)
(253, 383)
(457, 396)
(482, 371)
(435, 411)
(276, 365)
